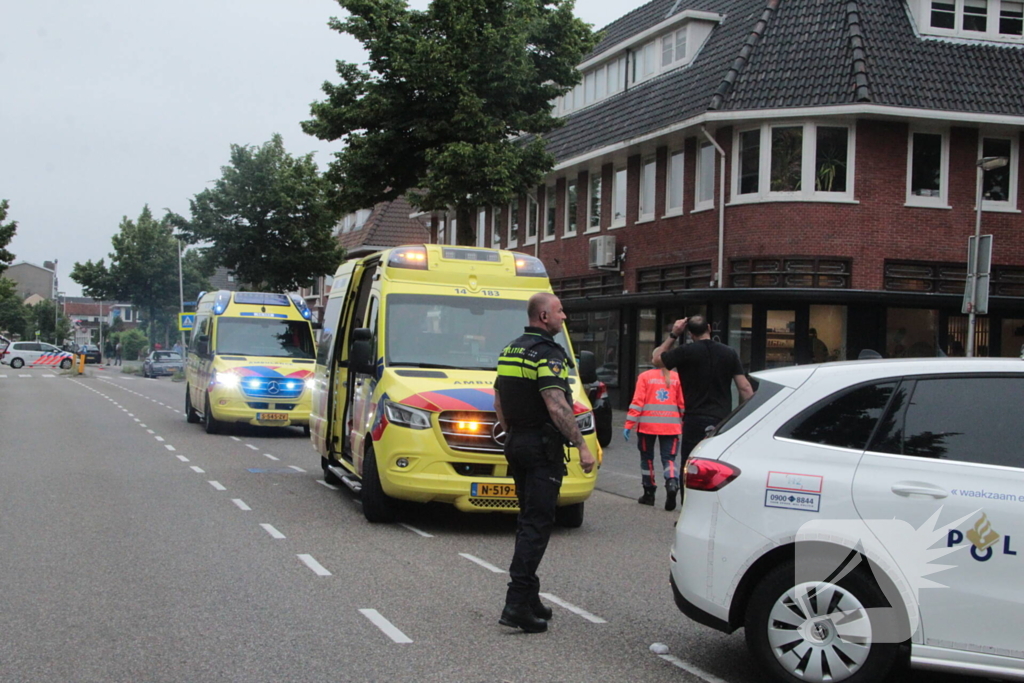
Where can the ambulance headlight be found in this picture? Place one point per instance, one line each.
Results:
(310, 383)
(404, 416)
(585, 421)
(227, 379)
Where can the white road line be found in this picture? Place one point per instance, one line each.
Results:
(268, 455)
(324, 483)
(241, 504)
(574, 609)
(169, 447)
(249, 445)
(137, 419)
(49, 376)
(274, 533)
(413, 529)
(317, 568)
(3, 376)
(235, 438)
(296, 468)
(482, 563)
(692, 669)
(386, 626)
(217, 485)
(182, 458)
(24, 375)
(148, 430)
(159, 438)
(197, 470)
(131, 414)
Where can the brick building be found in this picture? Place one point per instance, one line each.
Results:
(803, 173)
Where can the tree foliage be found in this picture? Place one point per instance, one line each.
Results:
(143, 270)
(7, 231)
(267, 219)
(47, 323)
(445, 95)
(13, 313)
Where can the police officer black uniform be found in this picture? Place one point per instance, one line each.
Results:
(537, 435)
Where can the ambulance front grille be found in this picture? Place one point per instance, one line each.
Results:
(476, 432)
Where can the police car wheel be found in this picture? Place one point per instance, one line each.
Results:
(16, 363)
(191, 416)
(65, 364)
(377, 505)
(211, 423)
(569, 516)
(823, 645)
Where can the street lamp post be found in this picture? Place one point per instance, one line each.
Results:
(181, 299)
(984, 164)
(56, 311)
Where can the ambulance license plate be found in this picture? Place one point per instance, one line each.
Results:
(272, 417)
(493, 491)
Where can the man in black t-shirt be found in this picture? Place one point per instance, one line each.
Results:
(706, 368)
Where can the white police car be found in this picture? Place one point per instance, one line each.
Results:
(36, 354)
(856, 516)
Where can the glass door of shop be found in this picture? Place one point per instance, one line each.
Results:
(777, 337)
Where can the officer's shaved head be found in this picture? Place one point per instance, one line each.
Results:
(545, 311)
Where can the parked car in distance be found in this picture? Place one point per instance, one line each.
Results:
(91, 352)
(35, 354)
(814, 513)
(160, 363)
(598, 395)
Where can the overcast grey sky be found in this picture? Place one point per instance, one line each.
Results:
(108, 105)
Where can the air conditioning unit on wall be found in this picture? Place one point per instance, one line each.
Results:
(602, 251)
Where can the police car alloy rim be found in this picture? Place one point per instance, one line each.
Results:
(819, 632)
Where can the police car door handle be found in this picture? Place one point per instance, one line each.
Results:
(916, 489)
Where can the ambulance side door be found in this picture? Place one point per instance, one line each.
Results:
(362, 404)
(328, 365)
(342, 381)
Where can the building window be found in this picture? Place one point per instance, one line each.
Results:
(674, 184)
(550, 212)
(647, 178)
(594, 203)
(495, 228)
(927, 163)
(787, 152)
(795, 271)
(602, 84)
(481, 227)
(571, 207)
(1011, 18)
(831, 149)
(749, 161)
(999, 186)
(532, 209)
(704, 189)
(619, 187)
(513, 223)
(985, 19)
(975, 15)
(943, 15)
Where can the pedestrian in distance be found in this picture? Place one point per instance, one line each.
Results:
(533, 402)
(108, 351)
(656, 412)
(117, 354)
(707, 369)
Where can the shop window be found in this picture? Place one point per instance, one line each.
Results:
(911, 333)
(741, 325)
(598, 332)
(1013, 338)
(646, 338)
(956, 336)
(928, 160)
(826, 335)
(780, 350)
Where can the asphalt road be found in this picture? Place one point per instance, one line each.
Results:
(135, 547)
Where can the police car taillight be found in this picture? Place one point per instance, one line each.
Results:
(708, 475)
(530, 266)
(409, 257)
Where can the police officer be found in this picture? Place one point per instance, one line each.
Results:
(534, 405)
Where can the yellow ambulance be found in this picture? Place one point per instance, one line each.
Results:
(250, 360)
(403, 398)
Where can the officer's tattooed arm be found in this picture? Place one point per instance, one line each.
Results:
(563, 417)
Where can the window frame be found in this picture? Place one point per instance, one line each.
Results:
(532, 211)
(639, 69)
(942, 201)
(550, 210)
(672, 182)
(620, 179)
(591, 227)
(993, 20)
(513, 222)
(703, 147)
(648, 174)
(481, 228)
(1010, 205)
(569, 210)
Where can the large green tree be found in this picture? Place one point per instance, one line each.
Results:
(143, 270)
(7, 231)
(13, 313)
(268, 219)
(47, 323)
(451, 102)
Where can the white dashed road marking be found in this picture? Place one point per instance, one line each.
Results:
(235, 438)
(386, 626)
(169, 447)
(197, 470)
(657, 648)
(274, 533)
(217, 485)
(413, 529)
(317, 568)
(574, 609)
(159, 438)
(241, 504)
(249, 445)
(324, 483)
(296, 468)
(268, 455)
(182, 458)
(483, 563)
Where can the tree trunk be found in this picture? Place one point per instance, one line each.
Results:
(466, 230)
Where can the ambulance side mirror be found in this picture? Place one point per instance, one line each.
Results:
(587, 367)
(360, 357)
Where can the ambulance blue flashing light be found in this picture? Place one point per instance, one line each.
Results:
(220, 304)
(300, 304)
(529, 266)
(409, 257)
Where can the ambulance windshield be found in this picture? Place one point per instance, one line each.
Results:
(264, 337)
(457, 332)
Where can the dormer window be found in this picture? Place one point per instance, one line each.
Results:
(980, 19)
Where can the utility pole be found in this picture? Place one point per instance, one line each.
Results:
(181, 299)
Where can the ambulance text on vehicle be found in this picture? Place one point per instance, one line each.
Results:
(403, 398)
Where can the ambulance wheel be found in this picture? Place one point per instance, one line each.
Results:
(211, 423)
(16, 363)
(377, 505)
(65, 364)
(191, 416)
(569, 516)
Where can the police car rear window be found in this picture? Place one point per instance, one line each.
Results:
(765, 391)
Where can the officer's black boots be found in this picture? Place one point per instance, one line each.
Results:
(540, 610)
(522, 616)
(671, 488)
(648, 497)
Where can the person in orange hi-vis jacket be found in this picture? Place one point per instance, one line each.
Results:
(656, 412)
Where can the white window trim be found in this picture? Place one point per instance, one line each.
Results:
(550, 200)
(565, 231)
(703, 148)
(481, 227)
(942, 201)
(593, 229)
(807, 165)
(621, 222)
(513, 219)
(576, 99)
(648, 215)
(991, 24)
(1010, 205)
(670, 180)
(527, 239)
(635, 79)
